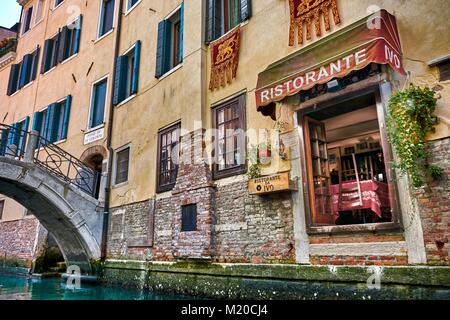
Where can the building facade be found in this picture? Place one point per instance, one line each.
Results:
(241, 131)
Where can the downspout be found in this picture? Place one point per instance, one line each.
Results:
(109, 137)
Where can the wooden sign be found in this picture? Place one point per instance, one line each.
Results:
(271, 184)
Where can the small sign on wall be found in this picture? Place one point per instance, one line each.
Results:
(271, 184)
(94, 136)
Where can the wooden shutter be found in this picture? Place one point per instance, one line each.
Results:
(25, 130)
(213, 20)
(181, 32)
(120, 79)
(25, 70)
(66, 117)
(13, 77)
(137, 56)
(47, 55)
(62, 44)
(163, 48)
(37, 121)
(246, 9)
(4, 141)
(35, 63)
(77, 35)
(49, 123)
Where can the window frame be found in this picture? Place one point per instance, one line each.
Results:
(116, 152)
(27, 17)
(55, 5)
(88, 127)
(303, 112)
(184, 228)
(2, 206)
(171, 128)
(101, 16)
(130, 8)
(242, 168)
(40, 7)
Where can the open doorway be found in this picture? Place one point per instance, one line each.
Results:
(346, 163)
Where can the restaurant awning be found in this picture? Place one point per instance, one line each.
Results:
(374, 39)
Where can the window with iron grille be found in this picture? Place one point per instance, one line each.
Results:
(189, 218)
(122, 165)
(229, 148)
(168, 156)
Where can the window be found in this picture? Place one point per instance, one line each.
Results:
(98, 101)
(16, 136)
(122, 165)
(52, 123)
(229, 140)
(58, 2)
(347, 161)
(170, 42)
(189, 218)
(2, 207)
(62, 46)
(22, 127)
(106, 17)
(131, 3)
(224, 15)
(39, 11)
(24, 72)
(27, 20)
(168, 157)
(127, 74)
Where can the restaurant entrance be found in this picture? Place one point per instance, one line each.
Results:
(346, 162)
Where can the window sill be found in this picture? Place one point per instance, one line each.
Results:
(15, 93)
(48, 71)
(369, 228)
(54, 143)
(168, 73)
(236, 171)
(126, 100)
(132, 8)
(27, 85)
(38, 22)
(89, 130)
(59, 5)
(104, 36)
(120, 185)
(69, 58)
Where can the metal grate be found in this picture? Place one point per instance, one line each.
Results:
(189, 218)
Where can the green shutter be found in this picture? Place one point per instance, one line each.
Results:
(62, 44)
(77, 35)
(25, 71)
(4, 141)
(213, 20)
(13, 78)
(163, 48)
(35, 63)
(137, 58)
(120, 79)
(48, 124)
(47, 55)
(66, 118)
(181, 31)
(25, 134)
(246, 9)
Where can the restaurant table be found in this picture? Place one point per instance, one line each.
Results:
(375, 195)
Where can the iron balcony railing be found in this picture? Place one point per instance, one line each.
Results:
(31, 147)
(8, 45)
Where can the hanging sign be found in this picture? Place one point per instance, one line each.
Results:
(271, 184)
(224, 59)
(306, 12)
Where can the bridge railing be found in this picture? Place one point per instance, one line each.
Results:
(31, 147)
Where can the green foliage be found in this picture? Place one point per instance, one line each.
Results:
(410, 119)
(254, 171)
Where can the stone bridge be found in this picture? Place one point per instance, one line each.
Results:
(63, 207)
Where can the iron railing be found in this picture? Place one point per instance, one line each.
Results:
(15, 142)
(8, 45)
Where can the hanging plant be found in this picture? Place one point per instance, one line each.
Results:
(410, 119)
(254, 170)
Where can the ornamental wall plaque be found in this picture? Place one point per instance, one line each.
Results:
(308, 12)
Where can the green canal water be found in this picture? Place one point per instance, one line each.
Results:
(22, 288)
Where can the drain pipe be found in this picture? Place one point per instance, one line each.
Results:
(109, 137)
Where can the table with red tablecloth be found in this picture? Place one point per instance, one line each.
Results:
(375, 195)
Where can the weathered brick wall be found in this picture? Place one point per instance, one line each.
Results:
(253, 229)
(17, 239)
(128, 231)
(434, 206)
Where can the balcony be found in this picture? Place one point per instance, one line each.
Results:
(7, 51)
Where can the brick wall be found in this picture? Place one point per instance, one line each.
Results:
(434, 206)
(17, 239)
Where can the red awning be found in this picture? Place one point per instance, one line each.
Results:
(374, 39)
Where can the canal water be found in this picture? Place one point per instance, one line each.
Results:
(22, 288)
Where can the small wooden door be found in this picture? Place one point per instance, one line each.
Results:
(319, 180)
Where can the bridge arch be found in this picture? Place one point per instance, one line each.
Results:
(73, 217)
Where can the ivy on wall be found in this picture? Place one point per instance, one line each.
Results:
(410, 119)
